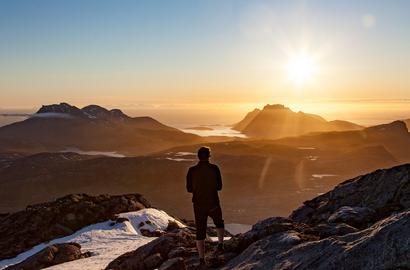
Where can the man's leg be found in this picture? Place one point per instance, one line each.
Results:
(200, 224)
(216, 215)
(200, 246)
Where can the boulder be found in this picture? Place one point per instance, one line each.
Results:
(325, 230)
(149, 233)
(173, 264)
(267, 247)
(51, 255)
(172, 226)
(260, 230)
(354, 216)
(180, 252)
(153, 261)
(141, 258)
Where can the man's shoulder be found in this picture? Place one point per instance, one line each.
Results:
(193, 167)
(214, 166)
(196, 166)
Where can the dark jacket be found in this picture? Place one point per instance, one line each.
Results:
(204, 181)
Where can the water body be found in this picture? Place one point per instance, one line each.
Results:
(6, 119)
(93, 153)
(215, 130)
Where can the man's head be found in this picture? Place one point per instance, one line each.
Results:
(204, 153)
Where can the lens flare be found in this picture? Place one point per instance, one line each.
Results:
(301, 69)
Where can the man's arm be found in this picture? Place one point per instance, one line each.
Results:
(189, 181)
(218, 179)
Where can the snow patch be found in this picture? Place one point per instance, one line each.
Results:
(106, 240)
(235, 228)
(215, 238)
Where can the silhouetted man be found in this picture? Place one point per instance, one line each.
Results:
(204, 181)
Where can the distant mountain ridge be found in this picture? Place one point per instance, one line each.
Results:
(58, 127)
(90, 112)
(276, 121)
(394, 137)
(296, 168)
(94, 112)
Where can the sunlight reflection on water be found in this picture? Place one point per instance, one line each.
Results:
(216, 131)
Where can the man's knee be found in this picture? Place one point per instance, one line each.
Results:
(216, 215)
(200, 224)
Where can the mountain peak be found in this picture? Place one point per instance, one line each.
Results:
(277, 120)
(396, 127)
(90, 111)
(118, 113)
(63, 108)
(275, 107)
(95, 111)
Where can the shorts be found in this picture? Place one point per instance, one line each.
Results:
(201, 217)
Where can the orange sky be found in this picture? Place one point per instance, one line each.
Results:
(215, 58)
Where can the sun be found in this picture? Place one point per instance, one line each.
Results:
(301, 69)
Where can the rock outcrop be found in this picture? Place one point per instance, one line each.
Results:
(363, 223)
(360, 201)
(384, 245)
(39, 223)
(51, 255)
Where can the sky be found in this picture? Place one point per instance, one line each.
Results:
(216, 57)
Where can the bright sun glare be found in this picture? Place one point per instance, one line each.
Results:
(301, 69)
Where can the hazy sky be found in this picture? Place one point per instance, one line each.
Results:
(200, 54)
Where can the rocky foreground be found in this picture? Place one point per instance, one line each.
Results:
(364, 223)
